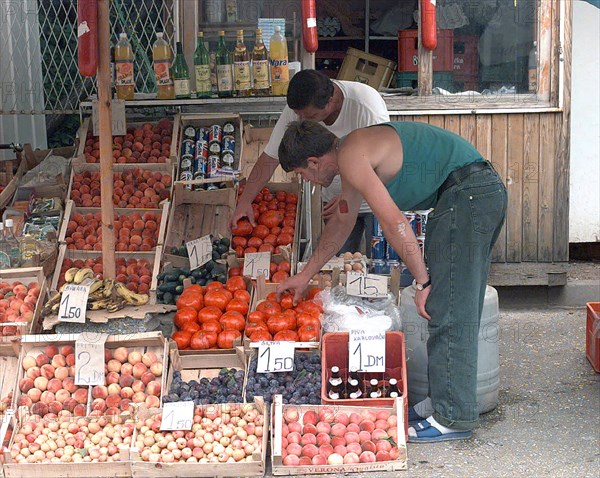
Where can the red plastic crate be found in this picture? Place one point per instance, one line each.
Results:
(466, 56)
(335, 352)
(408, 50)
(592, 335)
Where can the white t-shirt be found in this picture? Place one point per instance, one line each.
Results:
(362, 106)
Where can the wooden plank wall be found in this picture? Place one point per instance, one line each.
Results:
(525, 148)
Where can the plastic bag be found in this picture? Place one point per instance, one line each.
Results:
(343, 312)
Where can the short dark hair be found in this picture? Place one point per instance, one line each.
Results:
(309, 87)
(303, 139)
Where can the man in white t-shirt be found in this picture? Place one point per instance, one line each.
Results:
(340, 106)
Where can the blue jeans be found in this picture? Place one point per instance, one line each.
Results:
(363, 226)
(461, 233)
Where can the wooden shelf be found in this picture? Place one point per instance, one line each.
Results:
(340, 38)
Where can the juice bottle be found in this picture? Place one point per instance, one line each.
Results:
(260, 66)
(162, 56)
(124, 68)
(280, 74)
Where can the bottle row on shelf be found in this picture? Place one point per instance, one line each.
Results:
(357, 386)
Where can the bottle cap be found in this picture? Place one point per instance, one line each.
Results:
(159, 34)
(8, 223)
(278, 28)
(240, 32)
(393, 381)
(335, 369)
(123, 36)
(374, 382)
(222, 33)
(200, 34)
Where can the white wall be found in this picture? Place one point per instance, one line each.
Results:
(584, 215)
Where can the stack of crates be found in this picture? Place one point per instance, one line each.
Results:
(466, 62)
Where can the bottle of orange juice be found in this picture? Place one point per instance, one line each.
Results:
(124, 82)
(162, 57)
(280, 74)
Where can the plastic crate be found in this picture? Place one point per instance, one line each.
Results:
(592, 335)
(443, 80)
(335, 352)
(408, 51)
(366, 68)
(466, 56)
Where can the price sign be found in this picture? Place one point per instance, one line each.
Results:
(256, 263)
(199, 251)
(89, 358)
(367, 351)
(370, 286)
(275, 357)
(73, 302)
(119, 124)
(177, 416)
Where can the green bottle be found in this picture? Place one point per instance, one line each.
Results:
(224, 63)
(202, 69)
(181, 74)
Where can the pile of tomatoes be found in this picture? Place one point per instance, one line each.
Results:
(277, 272)
(281, 320)
(275, 214)
(212, 317)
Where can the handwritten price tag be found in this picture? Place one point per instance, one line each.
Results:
(119, 124)
(257, 263)
(199, 251)
(177, 416)
(366, 351)
(366, 285)
(73, 302)
(275, 357)
(89, 358)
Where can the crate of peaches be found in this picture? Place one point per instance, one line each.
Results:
(212, 317)
(143, 143)
(22, 293)
(133, 188)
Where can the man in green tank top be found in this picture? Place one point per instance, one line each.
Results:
(406, 166)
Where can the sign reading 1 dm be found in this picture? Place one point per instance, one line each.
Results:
(366, 350)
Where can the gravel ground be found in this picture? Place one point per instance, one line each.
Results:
(547, 423)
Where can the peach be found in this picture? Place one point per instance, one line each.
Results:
(59, 361)
(41, 383)
(147, 377)
(138, 397)
(284, 430)
(153, 388)
(112, 412)
(383, 445)
(25, 400)
(368, 415)
(383, 456)
(367, 426)
(124, 404)
(353, 427)
(319, 460)
(134, 358)
(310, 428)
(139, 369)
(355, 418)
(310, 450)
(126, 381)
(351, 459)
(79, 410)
(323, 438)
(127, 369)
(47, 371)
(99, 391)
(25, 384)
(340, 450)
(152, 401)
(70, 404)
(114, 389)
(382, 415)
(325, 450)
(379, 434)
(69, 384)
(294, 449)
(392, 421)
(149, 358)
(352, 437)
(99, 404)
(308, 439)
(62, 395)
(327, 414)
(383, 424)
(156, 369)
(81, 395)
(54, 385)
(367, 457)
(335, 441)
(291, 460)
(126, 392)
(364, 436)
(335, 459)
(342, 418)
(72, 371)
(113, 365)
(70, 359)
(305, 461)
(138, 386)
(394, 453)
(354, 448)
(310, 418)
(323, 427)
(294, 437)
(369, 446)
(112, 377)
(55, 407)
(338, 430)
(39, 408)
(66, 350)
(121, 354)
(107, 355)
(47, 397)
(61, 373)
(295, 427)
(51, 350)
(29, 362)
(113, 400)
(33, 372)
(42, 359)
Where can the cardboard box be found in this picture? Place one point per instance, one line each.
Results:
(367, 68)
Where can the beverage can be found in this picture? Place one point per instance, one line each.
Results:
(186, 162)
(227, 161)
(186, 175)
(228, 144)
(391, 254)
(228, 129)
(188, 147)
(411, 217)
(378, 247)
(199, 167)
(214, 149)
(212, 165)
(201, 149)
(391, 265)
(202, 133)
(424, 215)
(189, 132)
(212, 186)
(379, 267)
(215, 134)
(421, 242)
(377, 230)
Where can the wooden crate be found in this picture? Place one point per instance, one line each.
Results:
(367, 68)
(207, 120)
(9, 367)
(257, 467)
(277, 411)
(255, 140)
(196, 214)
(26, 275)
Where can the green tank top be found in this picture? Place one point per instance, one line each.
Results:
(430, 154)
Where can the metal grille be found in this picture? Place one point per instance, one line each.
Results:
(38, 41)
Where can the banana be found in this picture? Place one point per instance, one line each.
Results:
(96, 296)
(96, 286)
(109, 285)
(116, 305)
(98, 304)
(70, 274)
(131, 297)
(83, 274)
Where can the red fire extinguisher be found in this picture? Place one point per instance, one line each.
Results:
(428, 24)
(309, 26)
(87, 36)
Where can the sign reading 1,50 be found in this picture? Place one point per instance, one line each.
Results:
(276, 364)
(73, 312)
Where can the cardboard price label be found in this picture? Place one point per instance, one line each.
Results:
(257, 263)
(199, 251)
(366, 351)
(177, 416)
(370, 286)
(119, 124)
(89, 358)
(275, 357)
(73, 302)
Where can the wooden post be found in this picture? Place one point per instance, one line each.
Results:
(425, 68)
(105, 124)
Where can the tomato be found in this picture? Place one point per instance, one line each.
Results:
(306, 320)
(286, 335)
(291, 198)
(250, 250)
(289, 222)
(255, 242)
(290, 208)
(239, 241)
(308, 333)
(183, 315)
(267, 248)
(312, 292)
(238, 305)
(219, 298)
(272, 268)
(257, 198)
(275, 230)
(265, 190)
(182, 339)
(203, 340)
(271, 219)
(272, 296)
(261, 231)
(268, 308)
(239, 251)
(260, 335)
(209, 313)
(255, 326)
(279, 322)
(281, 207)
(280, 195)
(227, 337)
(214, 285)
(279, 276)
(193, 288)
(309, 307)
(272, 206)
(287, 301)
(232, 320)
(256, 316)
(284, 239)
(192, 299)
(191, 327)
(235, 271)
(243, 228)
(270, 239)
(242, 295)
(288, 230)
(235, 283)
(284, 266)
(211, 326)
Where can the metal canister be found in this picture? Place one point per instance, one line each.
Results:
(189, 132)
(229, 129)
(424, 215)
(188, 147)
(212, 165)
(378, 266)
(390, 253)
(411, 217)
(228, 144)
(378, 248)
(215, 134)
(377, 230)
(227, 161)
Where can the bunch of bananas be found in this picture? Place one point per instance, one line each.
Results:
(104, 294)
